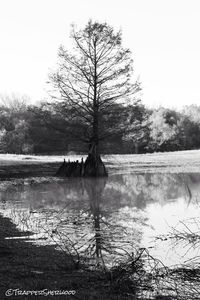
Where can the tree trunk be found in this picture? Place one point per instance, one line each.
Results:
(94, 167)
(136, 147)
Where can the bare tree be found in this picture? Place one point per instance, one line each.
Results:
(94, 78)
(14, 102)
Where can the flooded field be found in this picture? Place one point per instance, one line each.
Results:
(101, 221)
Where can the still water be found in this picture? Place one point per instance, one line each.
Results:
(103, 220)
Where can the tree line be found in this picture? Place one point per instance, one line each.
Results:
(47, 128)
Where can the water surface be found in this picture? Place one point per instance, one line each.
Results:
(104, 220)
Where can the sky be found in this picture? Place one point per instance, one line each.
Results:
(163, 35)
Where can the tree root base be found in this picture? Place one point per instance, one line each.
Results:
(92, 167)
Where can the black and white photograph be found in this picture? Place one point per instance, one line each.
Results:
(100, 149)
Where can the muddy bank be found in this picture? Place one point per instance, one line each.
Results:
(26, 266)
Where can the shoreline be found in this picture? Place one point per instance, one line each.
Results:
(20, 170)
(28, 267)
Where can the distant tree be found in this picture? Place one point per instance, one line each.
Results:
(137, 127)
(17, 140)
(49, 129)
(14, 124)
(93, 78)
(163, 130)
(189, 132)
(14, 102)
(192, 112)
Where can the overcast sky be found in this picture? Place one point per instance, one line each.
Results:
(163, 35)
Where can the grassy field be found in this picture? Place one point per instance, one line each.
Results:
(12, 165)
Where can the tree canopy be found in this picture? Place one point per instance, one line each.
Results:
(94, 78)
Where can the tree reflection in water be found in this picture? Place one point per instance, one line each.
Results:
(95, 188)
(97, 219)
